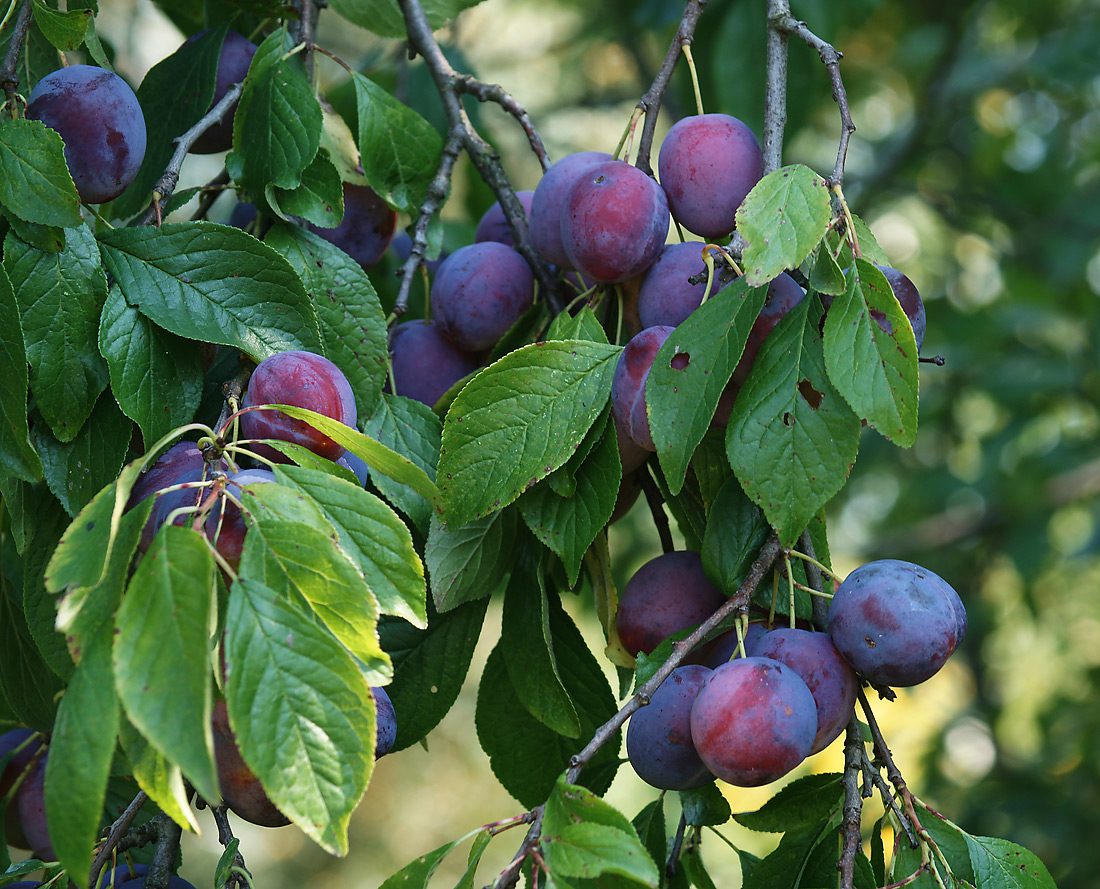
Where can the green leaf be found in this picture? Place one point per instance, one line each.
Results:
(785, 865)
(736, 531)
(18, 458)
(161, 780)
(48, 522)
(35, 183)
(477, 849)
(400, 150)
(383, 17)
(301, 710)
(318, 198)
(66, 31)
(690, 372)
(375, 455)
(567, 524)
(875, 370)
(791, 438)
(161, 652)
(277, 125)
(1001, 864)
(79, 762)
(705, 805)
(155, 376)
(373, 536)
(782, 220)
(413, 430)
(292, 557)
(429, 666)
(582, 326)
(519, 420)
(798, 806)
(60, 296)
(174, 94)
(650, 826)
(76, 470)
(212, 283)
(470, 561)
(826, 275)
(529, 653)
(415, 874)
(353, 327)
(525, 755)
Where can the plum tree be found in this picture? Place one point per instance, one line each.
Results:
(240, 788)
(658, 736)
(425, 363)
(494, 227)
(894, 622)
(101, 122)
(667, 594)
(303, 379)
(666, 297)
(628, 405)
(614, 220)
(549, 198)
(707, 165)
(753, 721)
(233, 61)
(479, 292)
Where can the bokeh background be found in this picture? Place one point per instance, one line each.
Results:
(976, 162)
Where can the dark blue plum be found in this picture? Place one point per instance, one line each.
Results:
(366, 229)
(666, 297)
(30, 800)
(911, 303)
(236, 55)
(425, 363)
(228, 533)
(726, 648)
(182, 459)
(658, 736)
(385, 720)
(544, 217)
(20, 745)
(494, 227)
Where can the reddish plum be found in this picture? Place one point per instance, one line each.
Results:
(544, 217)
(783, 295)
(479, 292)
(101, 122)
(241, 789)
(425, 363)
(894, 622)
(367, 228)
(707, 164)
(614, 222)
(628, 404)
(494, 227)
(754, 721)
(227, 531)
(667, 594)
(658, 736)
(305, 380)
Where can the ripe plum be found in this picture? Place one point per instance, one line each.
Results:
(667, 594)
(911, 304)
(658, 737)
(628, 405)
(707, 164)
(367, 228)
(21, 744)
(614, 222)
(102, 124)
(754, 721)
(305, 380)
(241, 789)
(479, 292)
(30, 801)
(665, 296)
(544, 216)
(229, 538)
(236, 55)
(425, 363)
(725, 647)
(494, 227)
(385, 720)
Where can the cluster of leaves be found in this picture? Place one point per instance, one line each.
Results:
(507, 492)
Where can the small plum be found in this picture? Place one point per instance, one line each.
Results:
(21, 745)
(783, 295)
(102, 124)
(30, 801)
(305, 380)
(614, 222)
(667, 594)
(367, 227)
(726, 647)
(425, 363)
(479, 292)
(494, 227)
(707, 164)
(628, 405)
(385, 720)
(544, 217)
(241, 789)
(227, 532)
(658, 736)
(911, 303)
(754, 721)
(666, 297)
(236, 55)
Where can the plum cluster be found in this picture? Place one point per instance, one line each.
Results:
(750, 716)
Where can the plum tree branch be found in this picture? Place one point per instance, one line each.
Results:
(115, 834)
(650, 102)
(225, 837)
(167, 849)
(853, 803)
(9, 80)
(481, 153)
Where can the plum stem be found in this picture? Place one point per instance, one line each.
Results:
(694, 77)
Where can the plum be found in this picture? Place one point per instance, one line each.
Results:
(305, 380)
(628, 406)
(30, 801)
(479, 292)
(236, 55)
(102, 124)
(753, 721)
(707, 164)
(357, 465)
(366, 229)
(182, 463)
(895, 622)
(911, 303)
(21, 744)
(667, 594)
(425, 363)
(494, 227)
(725, 647)
(830, 680)
(242, 214)
(227, 533)
(783, 295)
(658, 736)
(614, 222)
(665, 296)
(241, 789)
(385, 720)
(402, 247)
(544, 216)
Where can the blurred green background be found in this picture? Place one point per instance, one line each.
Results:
(976, 161)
